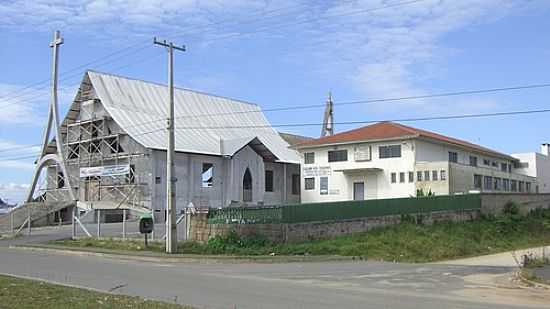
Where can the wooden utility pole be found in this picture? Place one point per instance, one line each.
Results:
(171, 225)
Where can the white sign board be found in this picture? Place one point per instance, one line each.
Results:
(312, 171)
(108, 170)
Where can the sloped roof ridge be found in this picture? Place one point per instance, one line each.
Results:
(175, 87)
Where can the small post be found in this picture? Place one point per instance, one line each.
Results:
(146, 243)
(11, 221)
(74, 221)
(98, 223)
(153, 217)
(29, 220)
(124, 224)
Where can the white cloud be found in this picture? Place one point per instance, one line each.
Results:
(121, 16)
(390, 52)
(13, 192)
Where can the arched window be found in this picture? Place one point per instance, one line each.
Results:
(247, 186)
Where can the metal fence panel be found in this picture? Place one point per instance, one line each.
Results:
(343, 210)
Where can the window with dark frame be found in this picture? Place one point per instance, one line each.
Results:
(513, 185)
(309, 183)
(268, 181)
(411, 176)
(473, 161)
(393, 177)
(418, 176)
(478, 179)
(488, 183)
(453, 156)
(158, 180)
(323, 185)
(426, 175)
(207, 175)
(401, 177)
(295, 184)
(486, 162)
(309, 157)
(504, 167)
(434, 175)
(391, 151)
(443, 175)
(337, 155)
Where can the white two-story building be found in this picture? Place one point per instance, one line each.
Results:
(390, 160)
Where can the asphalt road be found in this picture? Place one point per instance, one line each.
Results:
(294, 285)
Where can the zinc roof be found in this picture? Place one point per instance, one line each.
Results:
(203, 121)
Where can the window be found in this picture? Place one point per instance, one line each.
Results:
(411, 177)
(337, 155)
(268, 181)
(486, 162)
(521, 186)
(473, 161)
(488, 183)
(393, 177)
(323, 185)
(506, 185)
(453, 156)
(419, 176)
(426, 175)
(522, 165)
(309, 157)
(443, 175)
(477, 181)
(60, 180)
(309, 183)
(504, 167)
(207, 175)
(363, 153)
(295, 184)
(158, 180)
(434, 176)
(131, 177)
(494, 164)
(513, 185)
(528, 187)
(497, 184)
(401, 177)
(509, 168)
(392, 151)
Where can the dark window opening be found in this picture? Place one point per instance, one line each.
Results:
(309, 157)
(295, 184)
(268, 181)
(207, 175)
(337, 155)
(309, 183)
(453, 156)
(392, 151)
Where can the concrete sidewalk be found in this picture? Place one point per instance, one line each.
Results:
(505, 259)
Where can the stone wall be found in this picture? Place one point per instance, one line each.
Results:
(493, 203)
(296, 232)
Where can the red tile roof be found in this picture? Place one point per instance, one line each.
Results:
(392, 130)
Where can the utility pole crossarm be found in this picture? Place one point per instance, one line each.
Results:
(168, 44)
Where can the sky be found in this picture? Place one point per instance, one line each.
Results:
(286, 53)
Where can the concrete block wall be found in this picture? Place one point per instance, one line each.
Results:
(493, 204)
(296, 232)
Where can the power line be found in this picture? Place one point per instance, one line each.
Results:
(215, 39)
(359, 102)
(460, 116)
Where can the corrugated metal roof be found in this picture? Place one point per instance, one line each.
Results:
(202, 120)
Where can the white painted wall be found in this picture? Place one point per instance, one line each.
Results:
(538, 166)
(417, 155)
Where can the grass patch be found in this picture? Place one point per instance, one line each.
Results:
(406, 242)
(18, 293)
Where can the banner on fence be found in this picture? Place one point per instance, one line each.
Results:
(108, 170)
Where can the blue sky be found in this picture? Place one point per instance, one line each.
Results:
(287, 53)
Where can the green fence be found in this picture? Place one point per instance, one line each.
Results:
(344, 210)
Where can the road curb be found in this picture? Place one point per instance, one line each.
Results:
(184, 259)
(531, 282)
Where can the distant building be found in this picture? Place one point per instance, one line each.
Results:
(391, 160)
(114, 138)
(537, 165)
